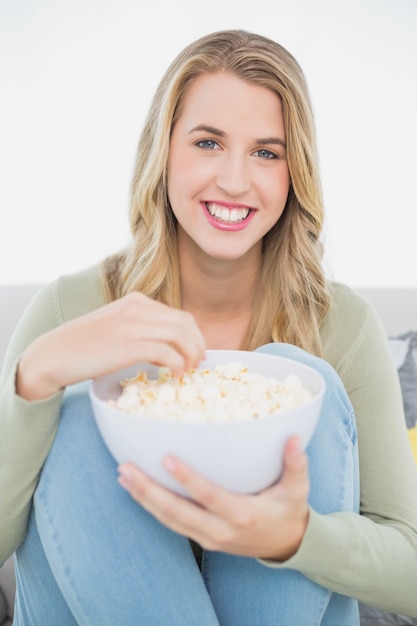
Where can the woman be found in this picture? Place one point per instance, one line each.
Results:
(226, 217)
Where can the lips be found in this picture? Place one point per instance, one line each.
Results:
(227, 214)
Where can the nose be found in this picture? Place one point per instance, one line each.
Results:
(233, 177)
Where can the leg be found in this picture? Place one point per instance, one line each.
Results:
(245, 592)
(112, 562)
(38, 598)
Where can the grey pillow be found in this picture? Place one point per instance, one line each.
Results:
(407, 371)
(375, 617)
(408, 379)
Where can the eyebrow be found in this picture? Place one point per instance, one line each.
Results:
(208, 129)
(220, 133)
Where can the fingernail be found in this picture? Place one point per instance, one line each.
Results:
(296, 445)
(169, 464)
(125, 477)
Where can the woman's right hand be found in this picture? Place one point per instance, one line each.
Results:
(132, 329)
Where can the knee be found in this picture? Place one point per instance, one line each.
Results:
(290, 351)
(334, 386)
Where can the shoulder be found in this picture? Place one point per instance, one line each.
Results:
(348, 310)
(64, 299)
(67, 297)
(350, 325)
(78, 293)
(345, 302)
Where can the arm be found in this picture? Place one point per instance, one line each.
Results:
(66, 336)
(27, 429)
(372, 556)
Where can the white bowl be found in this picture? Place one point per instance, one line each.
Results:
(244, 457)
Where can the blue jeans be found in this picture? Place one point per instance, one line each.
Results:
(93, 556)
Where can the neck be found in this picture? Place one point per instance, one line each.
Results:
(218, 286)
(220, 295)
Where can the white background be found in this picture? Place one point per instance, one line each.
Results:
(77, 77)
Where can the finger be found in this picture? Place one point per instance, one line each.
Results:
(136, 327)
(178, 513)
(177, 327)
(155, 321)
(161, 354)
(295, 478)
(213, 498)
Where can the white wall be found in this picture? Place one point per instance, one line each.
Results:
(77, 77)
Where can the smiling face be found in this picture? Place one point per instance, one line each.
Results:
(228, 178)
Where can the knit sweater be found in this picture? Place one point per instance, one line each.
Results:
(371, 556)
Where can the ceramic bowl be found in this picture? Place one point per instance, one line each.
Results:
(241, 456)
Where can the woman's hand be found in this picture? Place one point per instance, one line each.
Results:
(267, 525)
(129, 330)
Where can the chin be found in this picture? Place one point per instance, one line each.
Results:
(228, 254)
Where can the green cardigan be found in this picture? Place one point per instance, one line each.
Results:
(371, 556)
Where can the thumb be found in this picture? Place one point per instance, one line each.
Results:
(295, 473)
(293, 451)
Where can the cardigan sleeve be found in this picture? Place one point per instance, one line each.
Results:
(28, 428)
(371, 556)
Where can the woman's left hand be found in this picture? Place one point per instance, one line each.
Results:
(270, 524)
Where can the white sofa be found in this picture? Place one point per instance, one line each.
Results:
(397, 308)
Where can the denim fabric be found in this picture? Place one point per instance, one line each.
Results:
(94, 557)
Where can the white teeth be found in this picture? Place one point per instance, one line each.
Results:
(231, 216)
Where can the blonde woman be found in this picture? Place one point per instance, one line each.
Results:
(226, 217)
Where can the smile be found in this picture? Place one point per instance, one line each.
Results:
(226, 215)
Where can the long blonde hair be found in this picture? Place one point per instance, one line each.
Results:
(292, 297)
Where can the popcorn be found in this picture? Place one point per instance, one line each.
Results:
(227, 393)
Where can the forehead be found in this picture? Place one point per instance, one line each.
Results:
(223, 98)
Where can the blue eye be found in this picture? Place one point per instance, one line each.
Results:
(207, 144)
(266, 154)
